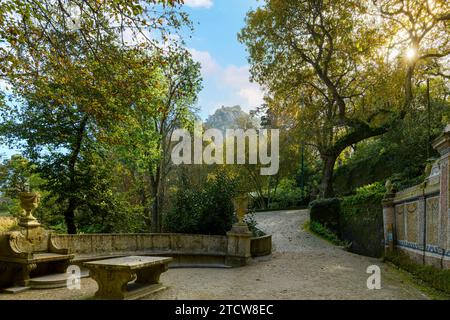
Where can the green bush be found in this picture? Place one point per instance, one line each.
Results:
(250, 220)
(325, 233)
(374, 191)
(437, 278)
(4, 210)
(326, 212)
(361, 220)
(99, 220)
(206, 209)
(356, 219)
(287, 195)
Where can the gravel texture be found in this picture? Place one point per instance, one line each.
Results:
(302, 266)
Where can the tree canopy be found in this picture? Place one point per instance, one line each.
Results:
(331, 64)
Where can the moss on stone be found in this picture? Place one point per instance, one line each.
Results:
(436, 278)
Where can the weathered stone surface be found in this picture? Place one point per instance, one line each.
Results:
(30, 252)
(411, 221)
(167, 242)
(114, 275)
(239, 248)
(261, 246)
(400, 221)
(128, 263)
(51, 281)
(14, 290)
(432, 221)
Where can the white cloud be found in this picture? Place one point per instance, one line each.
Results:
(4, 86)
(253, 95)
(238, 78)
(209, 65)
(232, 81)
(199, 3)
(132, 37)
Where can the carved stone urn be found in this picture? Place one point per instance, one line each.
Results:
(29, 201)
(241, 207)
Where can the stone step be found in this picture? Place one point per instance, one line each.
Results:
(52, 281)
(198, 265)
(14, 290)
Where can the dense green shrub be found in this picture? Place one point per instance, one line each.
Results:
(206, 209)
(374, 191)
(95, 219)
(326, 212)
(325, 233)
(361, 220)
(287, 195)
(4, 209)
(250, 220)
(438, 279)
(356, 219)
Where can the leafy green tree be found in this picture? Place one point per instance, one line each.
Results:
(17, 174)
(73, 76)
(329, 60)
(166, 102)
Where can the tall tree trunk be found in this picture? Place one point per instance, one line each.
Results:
(69, 217)
(155, 186)
(327, 175)
(69, 213)
(144, 202)
(161, 199)
(155, 214)
(157, 210)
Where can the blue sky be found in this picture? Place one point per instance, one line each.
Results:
(224, 60)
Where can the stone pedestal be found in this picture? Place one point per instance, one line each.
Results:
(239, 237)
(388, 222)
(238, 251)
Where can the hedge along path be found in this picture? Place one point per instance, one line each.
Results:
(303, 266)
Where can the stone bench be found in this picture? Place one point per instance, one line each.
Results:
(114, 276)
(29, 253)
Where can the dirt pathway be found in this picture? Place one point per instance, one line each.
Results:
(302, 266)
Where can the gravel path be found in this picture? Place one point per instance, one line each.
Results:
(302, 266)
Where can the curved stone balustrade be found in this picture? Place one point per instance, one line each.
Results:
(186, 249)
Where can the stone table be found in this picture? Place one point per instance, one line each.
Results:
(113, 276)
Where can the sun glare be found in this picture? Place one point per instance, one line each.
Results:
(411, 53)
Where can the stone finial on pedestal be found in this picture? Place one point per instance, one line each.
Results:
(29, 201)
(239, 237)
(240, 204)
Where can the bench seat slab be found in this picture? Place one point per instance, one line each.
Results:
(113, 276)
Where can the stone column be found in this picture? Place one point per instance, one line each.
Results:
(238, 251)
(388, 222)
(442, 145)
